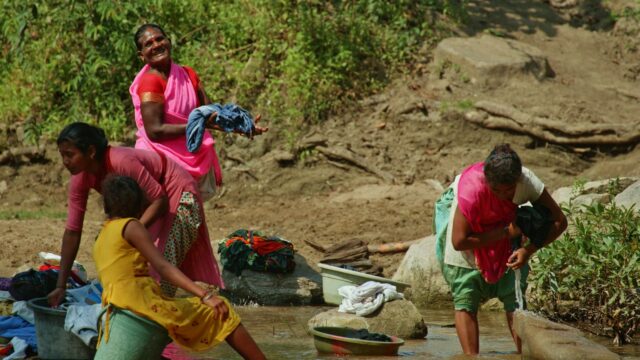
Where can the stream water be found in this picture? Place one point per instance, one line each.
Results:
(281, 333)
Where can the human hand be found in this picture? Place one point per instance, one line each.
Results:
(211, 121)
(219, 306)
(56, 297)
(258, 130)
(518, 259)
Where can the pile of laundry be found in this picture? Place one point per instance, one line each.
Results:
(17, 319)
(247, 249)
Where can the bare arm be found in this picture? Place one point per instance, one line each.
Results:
(70, 245)
(522, 255)
(559, 219)
(136, 234)
(154, 125)
(156, 209)
(463, 238)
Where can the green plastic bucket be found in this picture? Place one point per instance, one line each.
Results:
(53, 341)
(132, 337)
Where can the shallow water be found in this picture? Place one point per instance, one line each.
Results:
(281, 332)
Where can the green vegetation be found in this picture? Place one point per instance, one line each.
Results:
(591, 274)
(293, 61)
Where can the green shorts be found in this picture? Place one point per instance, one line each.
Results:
(469, 289)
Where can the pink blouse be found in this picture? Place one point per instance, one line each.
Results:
(146, 167)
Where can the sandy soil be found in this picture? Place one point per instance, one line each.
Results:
(329, 202)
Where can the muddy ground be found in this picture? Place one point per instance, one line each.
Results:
(596, 65)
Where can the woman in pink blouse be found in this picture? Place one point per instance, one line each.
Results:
(174, 215)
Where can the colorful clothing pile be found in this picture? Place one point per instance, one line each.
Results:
(246, 249)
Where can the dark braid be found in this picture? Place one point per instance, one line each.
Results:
(503, 166)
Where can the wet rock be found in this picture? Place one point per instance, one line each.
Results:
(545, 339)
(421, 270)
(490, 61)
(301, 287)
(399, 318)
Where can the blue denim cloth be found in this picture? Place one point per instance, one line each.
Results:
(230, 118)
(11, 326)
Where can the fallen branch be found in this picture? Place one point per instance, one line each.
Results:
(345, 155)
(391, 247)
(315, 245)
(500, 116)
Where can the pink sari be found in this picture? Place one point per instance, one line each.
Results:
(180, 99)
(484, 212)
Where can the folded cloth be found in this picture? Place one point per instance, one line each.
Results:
(82, 321)
(230, 118)
(365, 299)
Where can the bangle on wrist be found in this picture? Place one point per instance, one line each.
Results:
(208, 295)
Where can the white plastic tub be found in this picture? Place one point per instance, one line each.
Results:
(334, 278)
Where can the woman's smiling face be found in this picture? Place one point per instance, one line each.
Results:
(155, 47)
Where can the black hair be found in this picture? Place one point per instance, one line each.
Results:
(502, 166)
(142, 29)
(122, 197)
(82, 136)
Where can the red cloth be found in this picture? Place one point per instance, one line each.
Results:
(484, 212)
(259, 244)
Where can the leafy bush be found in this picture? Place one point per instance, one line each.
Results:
(591, 274)
(294, 61)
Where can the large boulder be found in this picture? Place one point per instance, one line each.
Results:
(491, 61)
(545, 339)
(421, 270)
(630, 196)
(301, 287)
(399, 318)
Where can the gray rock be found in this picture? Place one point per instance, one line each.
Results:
(544, 339)
(491, 61)
(565, 194)
(301, 287)
(589, 199)
(421, 270)
(630, 196)
(399, 318)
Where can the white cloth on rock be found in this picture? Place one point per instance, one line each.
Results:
(365, 299)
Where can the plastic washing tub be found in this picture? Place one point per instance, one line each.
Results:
(334, 278)
(131, 337)
(338, 340)
(53, 341)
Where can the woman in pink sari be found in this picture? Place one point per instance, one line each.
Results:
(164, 94)
(475, 222)
(174, 214)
